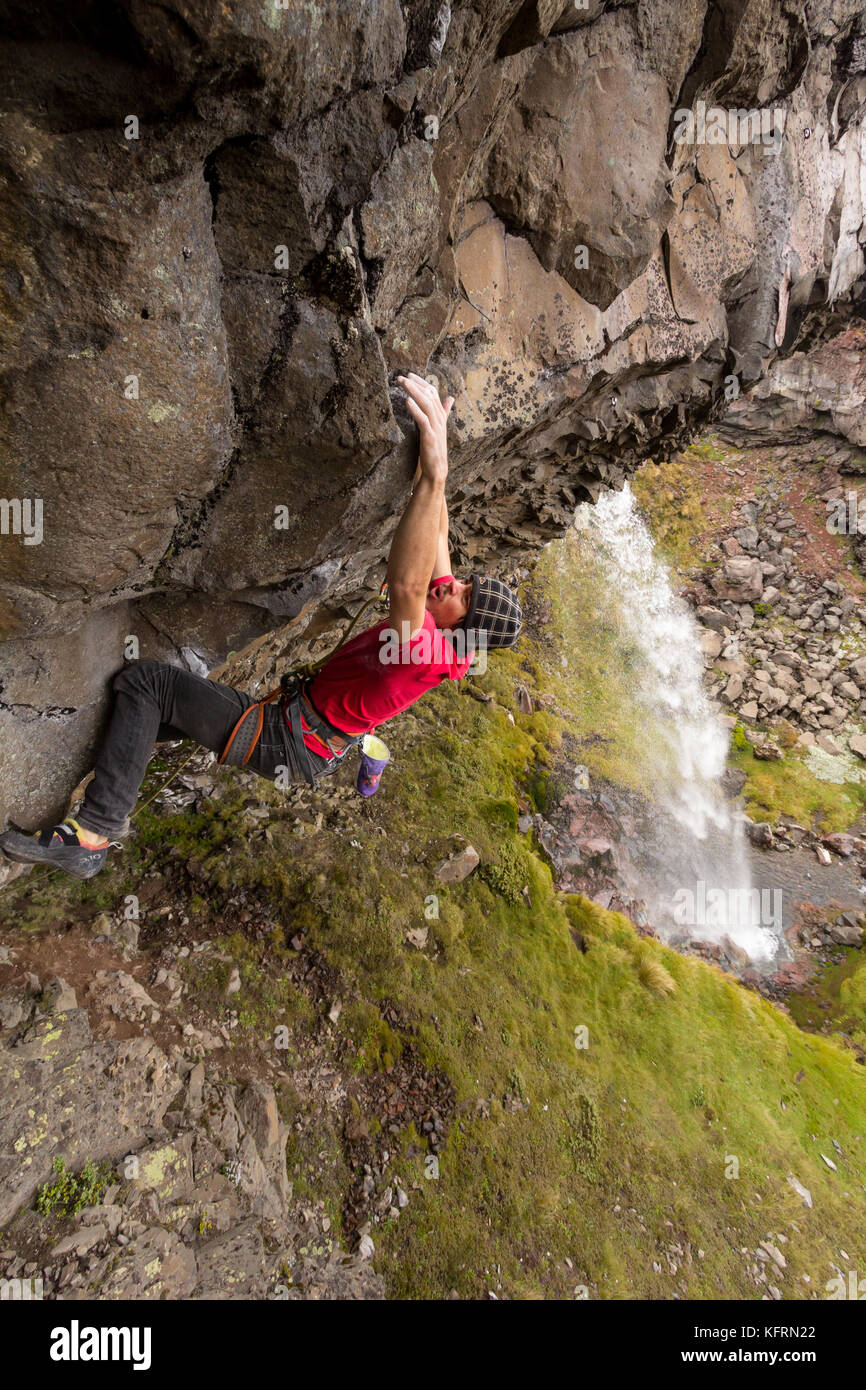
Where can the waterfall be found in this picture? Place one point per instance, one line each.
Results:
(691, 863)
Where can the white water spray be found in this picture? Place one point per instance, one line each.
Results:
(696, 853)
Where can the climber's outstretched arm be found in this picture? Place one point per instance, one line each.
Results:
(416, 540)
(442, 563)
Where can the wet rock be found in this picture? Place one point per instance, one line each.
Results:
(711, 644)
(733, 780)
(596, 847)
(760, 833)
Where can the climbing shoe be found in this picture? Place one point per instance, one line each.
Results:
(59, 847)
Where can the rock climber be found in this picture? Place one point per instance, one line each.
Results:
(371, 678)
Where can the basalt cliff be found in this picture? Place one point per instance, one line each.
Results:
(226, 227)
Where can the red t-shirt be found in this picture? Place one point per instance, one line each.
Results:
(371, 679)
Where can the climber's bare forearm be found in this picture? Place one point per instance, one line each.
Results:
(413, 553)
(416, 541)
(443, 557)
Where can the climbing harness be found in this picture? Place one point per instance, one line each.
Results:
(242, 741)
(291, 691)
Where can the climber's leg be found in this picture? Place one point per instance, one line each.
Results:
(153, 699)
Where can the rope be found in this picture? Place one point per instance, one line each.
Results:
(144, 805)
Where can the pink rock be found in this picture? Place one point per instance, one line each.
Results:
(596, 847)
(459, 866)
(842, 844)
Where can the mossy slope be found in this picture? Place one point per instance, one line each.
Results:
(626, 1118)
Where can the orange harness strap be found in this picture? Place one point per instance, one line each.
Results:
(250, 733)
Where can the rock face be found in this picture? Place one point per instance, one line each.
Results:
(226, 228)
(120, 1090)
(204, 1210)
(814, 394)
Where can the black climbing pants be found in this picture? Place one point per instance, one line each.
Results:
(154, 700)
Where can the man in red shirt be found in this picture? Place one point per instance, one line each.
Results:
(435, 626)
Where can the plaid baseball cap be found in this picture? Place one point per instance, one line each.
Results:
(495, 610)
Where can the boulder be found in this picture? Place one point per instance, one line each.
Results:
(711, 644)
(844, 935)
(154, 1265)
(459, 866)
(714, 618)
(741, 579)
(760, 833)
(843, 844)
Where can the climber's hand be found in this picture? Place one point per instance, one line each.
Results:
(431, 416)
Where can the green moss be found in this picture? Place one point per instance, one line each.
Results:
(788, 787)
(669, 495)
(508, 876)
(834, 1000)
(377, 1045)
